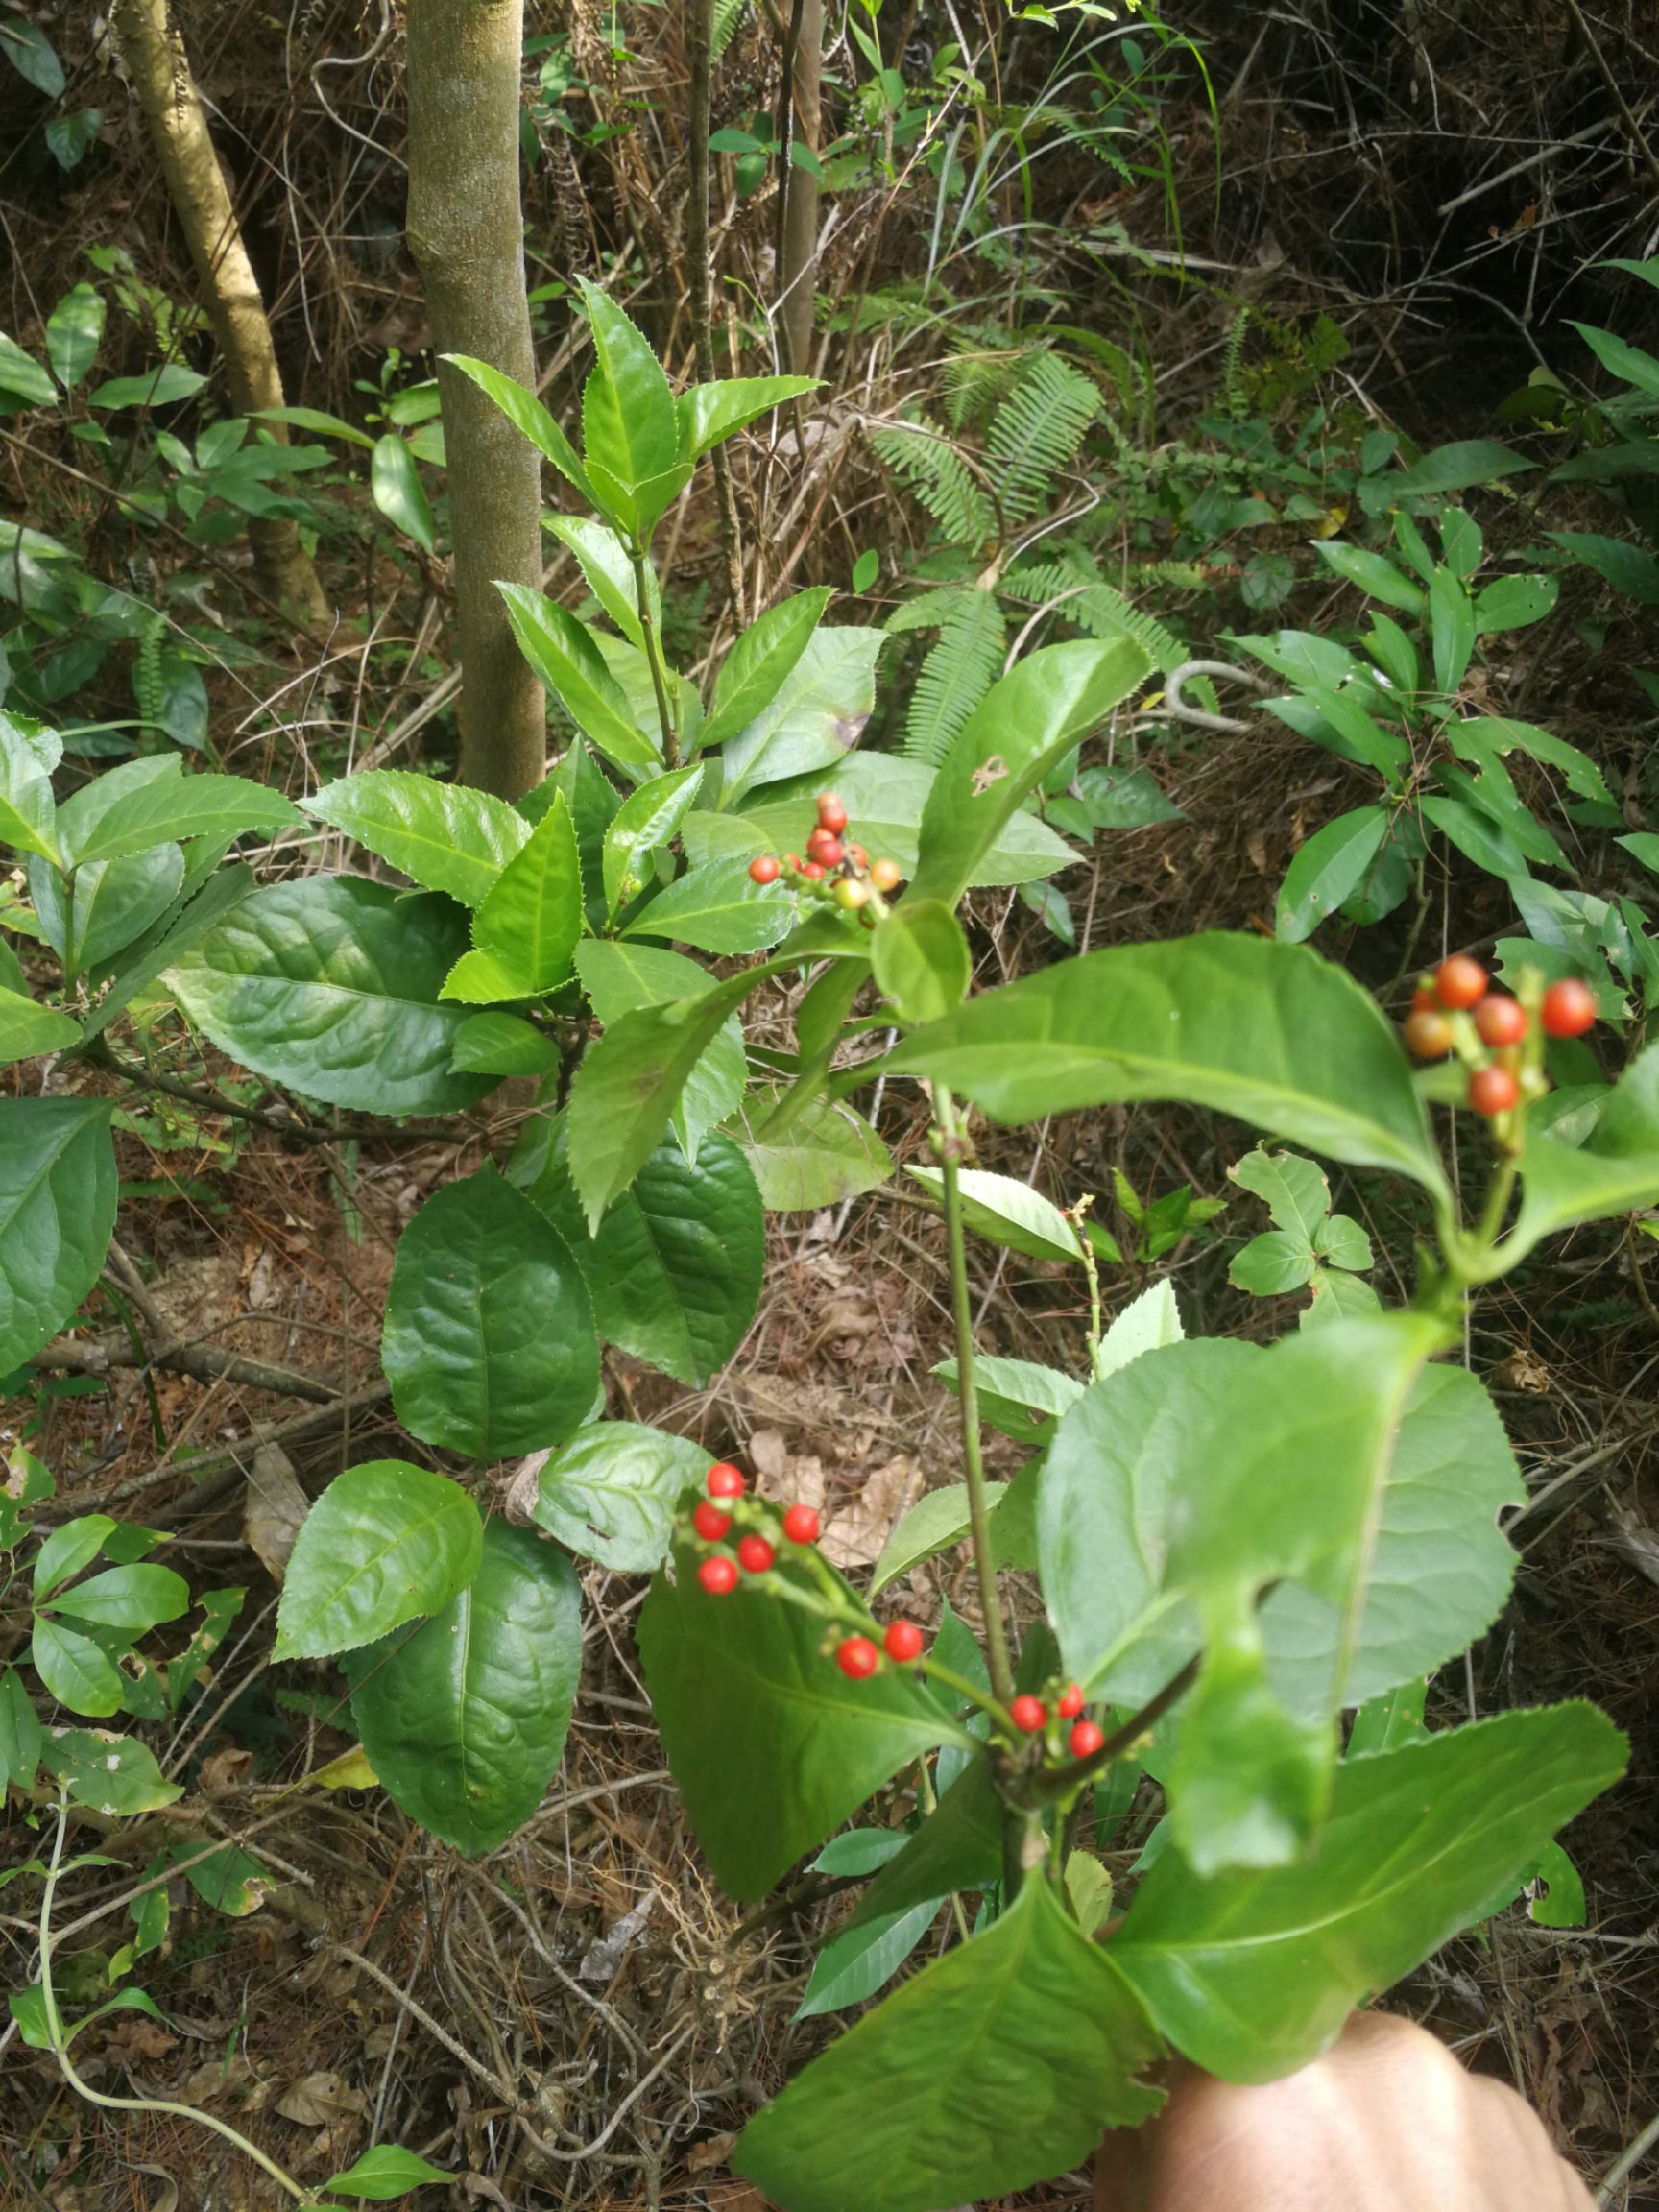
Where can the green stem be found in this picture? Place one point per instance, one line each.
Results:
(61, 2044)
(641, 567)
(967, 1391)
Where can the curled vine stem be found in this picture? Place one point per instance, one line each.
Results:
(61, 2039)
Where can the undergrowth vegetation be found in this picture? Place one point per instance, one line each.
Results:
(955, 1293)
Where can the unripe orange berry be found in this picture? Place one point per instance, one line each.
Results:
(851, 893)
(1459, 982)
(1501, 1020)
(764, 868)
(1568, 1009)
(886, 875)
(1428, 1035)
(1493, 1091)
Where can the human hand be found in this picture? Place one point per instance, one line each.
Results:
(1387, 2121)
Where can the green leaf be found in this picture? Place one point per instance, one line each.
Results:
(630, 1081)
(646, 821)
(1278, 1260)
(620, 979)
(464, 1718)
(489, 1342)
(573, 669)
(74, 1670)
(394, 481)
(1454, 468)
(995, 2066)
(168, 810)
(73, 332)
(22, 378)
(719, 908)
(528, 415)
(114, 1774)
(1328, 869)
(1103, 1510)
(611, 1493)
(1268, 1031)
(442, 835)
(231, 1881)
(1514, 602)
(58, 1194)
(853, 1964)
(1441, 1567)
(1027, 721)
(937, 1522)
(503, 1045)
(958, 1846)
(1253, 1974)
(20, 1733)
(828, 1153)
(385, 1542)
(69, 1549)
(192, 916)
(219, 1609)
(28, 2007)
(27, 1029)
(129, 1597)
(1577, 770)
(531, 919)
(314, 419)
(760, 660)
(1006, 1211)
(630, 429)
(603, 560)
(709, 414)
(1296, 1192)
(1628, 363)
(920, 960)
(817, 713)
(1344, 1244)
(1452, 619)
(331, 984)
(1615, 1170)
(27, 809)
(1375, 576)
(386, 2170)
(32, 54)
(674, 1268)
(163, 387)
(812, 1745)
(115, 902)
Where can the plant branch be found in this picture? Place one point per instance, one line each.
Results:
(640, 562)
(968, 1394)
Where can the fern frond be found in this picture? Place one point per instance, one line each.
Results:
(955, 676)
(928, 611)
(728, 14)
(981, 371)
(1036, 433)
(926, 463)
(1081, 595)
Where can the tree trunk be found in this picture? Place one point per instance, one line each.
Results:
(160, 71)
(798, 265)
(467, 233)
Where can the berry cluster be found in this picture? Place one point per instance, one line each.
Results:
(756, 1547)
(834, 868)
(1030, 1715)
(1499, 1038)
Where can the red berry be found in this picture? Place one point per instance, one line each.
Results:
(724, 1481)
(1424, 1001)
(1568, 1009)
(826, 850)
(1493, 1091)
(858, 855)
(857, 1658)
(1459, 981)
(1085, 1740)
(710, 1522)
(1428, 1035)
(1501, 1020)
(831, 815)
(904, 1641)
(886, 875)
(800, 1523)
(1028, 1714)
(812, 872)
(792, 860)
(764, 868)
(1070, 1702)
(755, 1554)
(718, 1577)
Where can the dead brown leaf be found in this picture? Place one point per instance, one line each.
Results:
(276, 1505)
(227, 1769)
(321, 2101)
(714, 2151)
